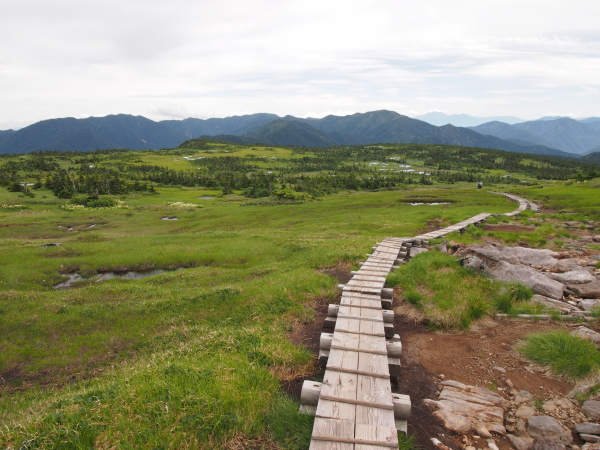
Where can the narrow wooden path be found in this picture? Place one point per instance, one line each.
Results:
(354, 406)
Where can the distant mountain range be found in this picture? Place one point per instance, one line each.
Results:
(463, 120)
(573, 136)
(559, 137)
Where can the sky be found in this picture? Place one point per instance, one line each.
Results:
(197, 58)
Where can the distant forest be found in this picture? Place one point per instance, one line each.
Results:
(316, 172)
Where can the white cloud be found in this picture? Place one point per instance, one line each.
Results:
(165, 58)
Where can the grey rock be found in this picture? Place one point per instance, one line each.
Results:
(552, 303)
(543, 443)
(591, 409)
(472, 262)
(539, 283)
(588, 428)
(581, 390)
(516, 255)
(523, 396)
(569, 264)
(521, 425)
(548, 427)
(590, 446)
(589, 437)
(520, 443)
(589, 290)
(586, 333)
(589, 304)
(500, 369)
(572, 277)
(492, 445)
(414, 251)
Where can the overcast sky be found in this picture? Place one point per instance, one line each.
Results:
(197, 58)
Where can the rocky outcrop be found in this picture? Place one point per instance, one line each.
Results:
(539, 283)
(589, 290)
(462, 408)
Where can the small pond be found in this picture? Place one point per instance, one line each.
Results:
(131, 275)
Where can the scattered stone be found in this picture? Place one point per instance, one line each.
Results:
(523, 396)
(520, 443)
(524, 412)
(500, 369)
(588, 428)
(521, 425)
(542, 443)
(589, 290)
(54, 244)
(473, 263)
(586, 333)
(483, 432)
(591, 409)
(589, 437)
(588, 304)
(492, 445)
(548, 427)
(590, 446)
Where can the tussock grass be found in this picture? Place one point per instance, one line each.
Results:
(568, 356)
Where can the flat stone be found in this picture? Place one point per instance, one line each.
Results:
(524, 412)
(590, 446)
(552, 303)
(414, 251)
(589, 304)
(581, 390)
(572, 277)
(548, 427)
(542, 443)
(515, 255)
(589, 290)
(589, 437)
(591, 409)
(520, 443)
(538, 282)
(588, 428)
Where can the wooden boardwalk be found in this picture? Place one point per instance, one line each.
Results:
(355, 406)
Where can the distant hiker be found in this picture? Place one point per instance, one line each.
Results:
(479, 185)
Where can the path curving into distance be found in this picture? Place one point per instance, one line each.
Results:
(354, 406)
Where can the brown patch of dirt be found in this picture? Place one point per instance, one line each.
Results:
(508, 228)
(340, 272)
(436, 224)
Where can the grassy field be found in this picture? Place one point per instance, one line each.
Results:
(193, 357)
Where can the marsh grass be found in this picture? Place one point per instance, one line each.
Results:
(568, 356)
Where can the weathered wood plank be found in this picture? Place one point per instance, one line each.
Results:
(333, 428)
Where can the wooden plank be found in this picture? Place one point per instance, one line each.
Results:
(365, 277)
(379, 437)
(343, 429)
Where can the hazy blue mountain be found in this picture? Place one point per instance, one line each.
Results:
(234, 125)
(589, 120)
(136, 132)
(564, 134)
(114, 131)
(463, 120)
(593, 157)
(510, 133)
(373, 128)
(5, 134)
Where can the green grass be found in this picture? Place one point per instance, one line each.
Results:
(568, 356)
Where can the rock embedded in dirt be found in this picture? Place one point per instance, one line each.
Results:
(514, 255)
(520, 443)
(589, 290)
(524, 412)
(548, 427)
(522, 396)
(590, 446)
(591, 409)
(589, 437)
(589, 303)
(414, 251)
(483, 432)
